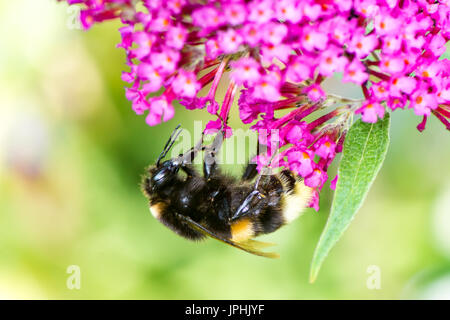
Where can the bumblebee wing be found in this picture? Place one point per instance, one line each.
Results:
(258, 244)
(250, 246)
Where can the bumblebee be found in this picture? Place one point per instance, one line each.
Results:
(215, 205)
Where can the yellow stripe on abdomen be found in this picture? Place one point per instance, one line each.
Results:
(293, 203)
(242, 230)
(156, 209)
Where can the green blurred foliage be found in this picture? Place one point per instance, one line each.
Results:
(72, 154)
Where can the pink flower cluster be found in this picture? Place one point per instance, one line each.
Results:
(277, 54)
(305, 147)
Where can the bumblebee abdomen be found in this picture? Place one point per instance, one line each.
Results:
(243, 229)
(296, 198)
(287, 197)
(171, 220)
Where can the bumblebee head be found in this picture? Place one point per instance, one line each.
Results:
(162, 174)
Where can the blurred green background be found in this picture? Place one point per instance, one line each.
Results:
(71, 155)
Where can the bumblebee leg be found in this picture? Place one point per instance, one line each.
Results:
(266, 171)
(185, 160)
(248, 204)
(250, 172)
(189, 156)
(257, 199)
(209, 161)
(264, 190)
(189, 170)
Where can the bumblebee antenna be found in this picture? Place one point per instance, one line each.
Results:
(169, 143)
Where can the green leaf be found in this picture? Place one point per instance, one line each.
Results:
(364, 151)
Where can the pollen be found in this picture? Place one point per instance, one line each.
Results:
(90, 19)
(419, 100)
